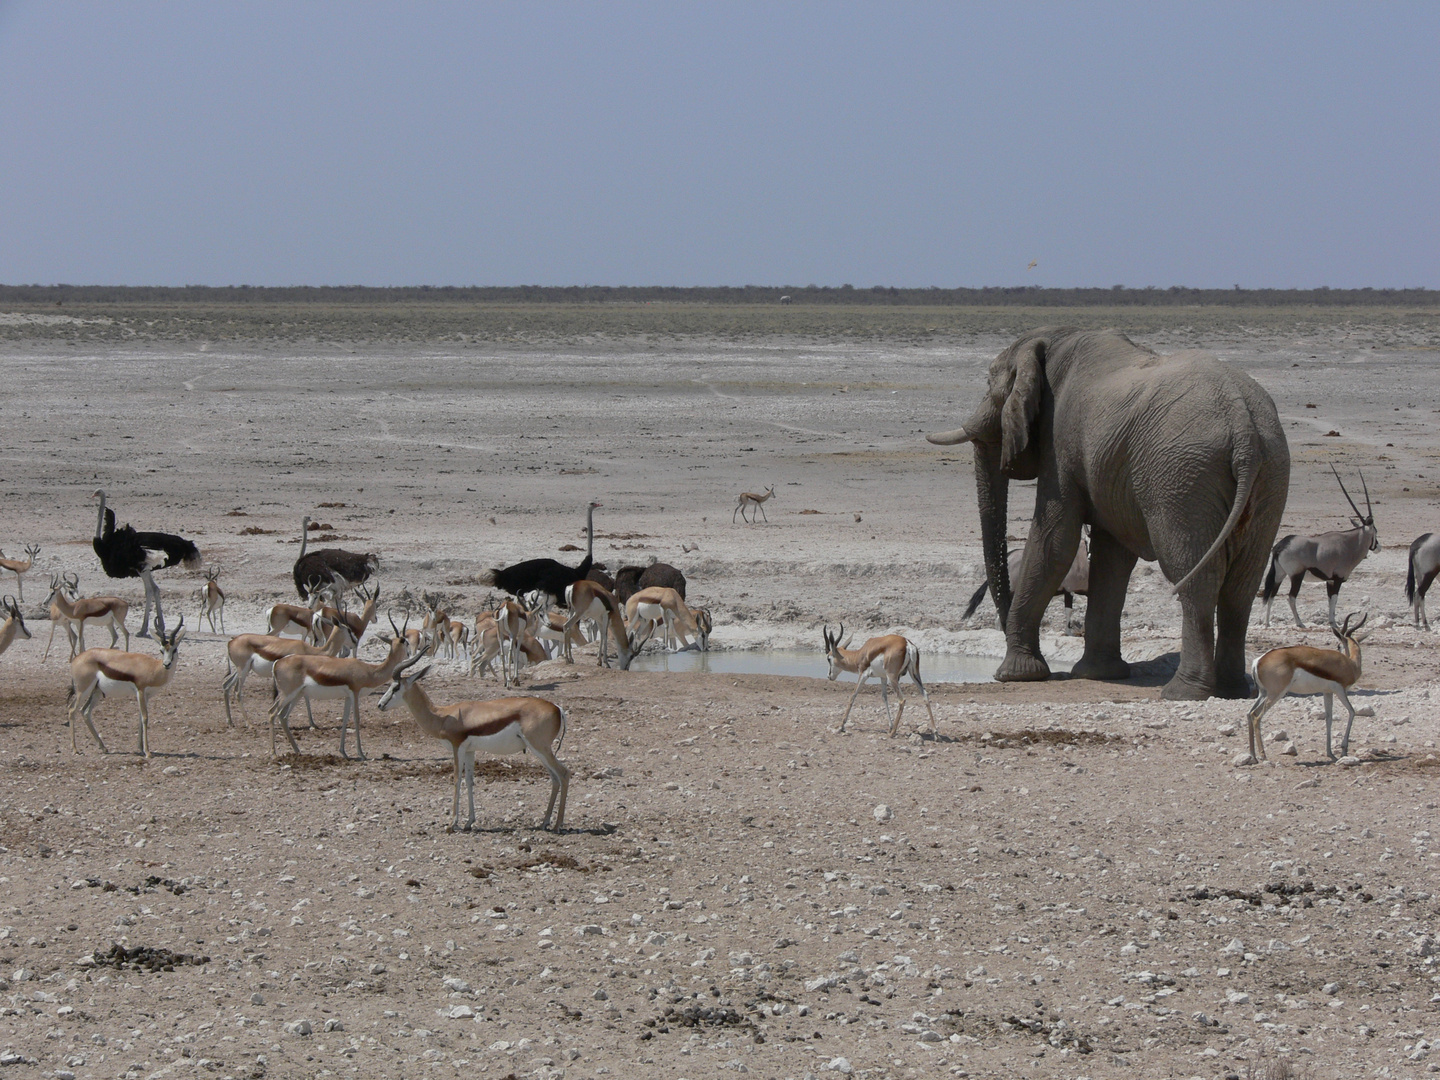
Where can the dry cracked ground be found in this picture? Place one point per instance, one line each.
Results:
(1065, 880)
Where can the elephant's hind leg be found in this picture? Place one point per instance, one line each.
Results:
(1110, 567)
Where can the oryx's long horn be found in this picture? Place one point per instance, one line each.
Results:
(1346, 493)
(950, 438)
(1369, 514)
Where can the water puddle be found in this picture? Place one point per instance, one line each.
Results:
(934, 667)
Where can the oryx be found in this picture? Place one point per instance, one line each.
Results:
(1331, 557)
(1424, 565)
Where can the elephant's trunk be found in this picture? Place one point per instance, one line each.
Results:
(992, 493)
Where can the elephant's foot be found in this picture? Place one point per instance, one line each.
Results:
(1233, 688)
(1022, 667)
(1100, 667)
(1184, 688)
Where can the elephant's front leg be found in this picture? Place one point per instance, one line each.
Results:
(1054, 538)
(1110, 567)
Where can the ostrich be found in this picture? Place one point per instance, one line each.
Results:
(546, 575)
(125, 553)
(333, 567)
(631, 579)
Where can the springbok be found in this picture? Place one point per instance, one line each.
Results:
(355, 625)
(108, 611)
(1331, 557)
(749, 500)
(658, 605)
(887, 658)
(98, 673)
(19, 569)
(287, 620)
(212, 599)
(507, 726)
(1076, 583)
(257, 653)
(591, 600)
(1424, 564)
(1304, 669)
(330, 677)
(59, 618)
(14, 625)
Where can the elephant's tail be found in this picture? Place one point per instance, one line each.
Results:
(1410, 573)
(975, 600)
(1271, 588)
(1246, 462)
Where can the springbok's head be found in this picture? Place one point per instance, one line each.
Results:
(212, 574)
(170, 643)
(401, 679)
(1350, 635)
(32, 550)
(1365, 520)
(12, 610)
(832, 650)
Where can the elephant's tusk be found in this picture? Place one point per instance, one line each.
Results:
(950, 438)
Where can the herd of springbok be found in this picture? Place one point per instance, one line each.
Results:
(309, 651)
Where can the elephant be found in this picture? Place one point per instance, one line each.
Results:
(1178, 458)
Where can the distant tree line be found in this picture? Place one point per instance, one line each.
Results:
(990, 296)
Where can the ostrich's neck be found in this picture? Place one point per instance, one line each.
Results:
(304, 539)
(590, 535)
(100, 519)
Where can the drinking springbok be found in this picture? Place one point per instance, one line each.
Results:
(507, 726)
(1304, 669)
(887, 658)
(98, 673)
(1424, 565)
(1331, 557)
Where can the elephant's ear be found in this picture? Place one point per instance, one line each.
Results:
(1023, 403)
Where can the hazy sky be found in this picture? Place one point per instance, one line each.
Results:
(725, 143)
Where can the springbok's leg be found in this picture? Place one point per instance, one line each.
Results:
(861, 682)
(915, 678)
(1329, 719)
(894, 684)
(1263, 702)
(144, 743)
(1345, 739)
(470, 786)
(87, 710)
(559, 782)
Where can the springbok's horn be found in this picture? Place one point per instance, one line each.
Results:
(1346, 493)
(950, 438)
(391, 616)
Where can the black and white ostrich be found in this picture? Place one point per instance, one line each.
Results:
(631, 579)
(125, 553)
(546, 575)
(334, 568)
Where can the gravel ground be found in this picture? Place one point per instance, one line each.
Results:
(1069, 879)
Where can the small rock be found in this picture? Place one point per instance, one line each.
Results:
(1277, 736)
(1227, 729)
(1365, 710)
(1235, 946)
(1314, 781)
(1242, 759)
(299, 1027)
(881, 813)
(588, 930)
(600, 994)
(334, 1025)
(1289, 750)
(1237, 997)
(1349, 761)
(1330, 989)
(456, 986)
(257, 999)
(840, 1065)
(457, 1012)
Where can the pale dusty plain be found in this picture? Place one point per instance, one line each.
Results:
(1037, 904)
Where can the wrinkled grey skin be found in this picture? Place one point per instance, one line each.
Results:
(1179, 459)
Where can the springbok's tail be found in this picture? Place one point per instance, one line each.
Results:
(1410, 573)
(975, 600)
(564, 727)
(912, 663)
(1271, 588)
